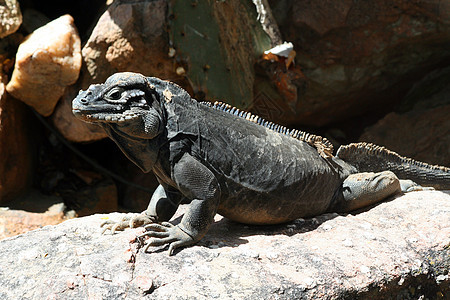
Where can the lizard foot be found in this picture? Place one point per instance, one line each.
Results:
(410, 186)
(129, 221)
(166, 233)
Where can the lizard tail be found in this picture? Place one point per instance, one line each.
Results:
(368, 157)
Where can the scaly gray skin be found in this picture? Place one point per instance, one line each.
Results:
(221, 160)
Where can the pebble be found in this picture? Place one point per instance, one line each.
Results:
(327, 227)
(347, 243)
(441, 278)
(364, 269)
(370, 236)
(144, 283)
(10, 17)
(412, 240)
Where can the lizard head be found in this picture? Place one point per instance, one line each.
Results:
(126, 101)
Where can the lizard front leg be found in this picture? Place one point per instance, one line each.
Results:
(198, 184)
(162, 207)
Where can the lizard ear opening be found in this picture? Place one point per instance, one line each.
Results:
(153, 97)
(154, 100)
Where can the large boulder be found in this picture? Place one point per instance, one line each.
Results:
(420, 128)
(423, 135)
(398, 249)
(129, 36)
(46, 63)
(10, 17)
(360, 56)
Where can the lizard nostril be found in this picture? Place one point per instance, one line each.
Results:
(83, 100)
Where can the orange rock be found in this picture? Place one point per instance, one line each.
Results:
(15, 147)
(14, 222)
(129, 37)
(47, 61)
(70, 127)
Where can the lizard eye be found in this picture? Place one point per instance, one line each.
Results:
(114, 94)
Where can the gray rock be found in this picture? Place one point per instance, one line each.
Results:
(360, 56)
(73, 260)
(421, 127)
(421, 134)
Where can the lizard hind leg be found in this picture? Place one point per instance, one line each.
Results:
(410, 186)
(363, 189)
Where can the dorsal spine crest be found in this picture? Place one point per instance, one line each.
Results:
(380, 151)
(323, 146)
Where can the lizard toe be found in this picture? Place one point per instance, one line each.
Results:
(140, 220)
(166, 233)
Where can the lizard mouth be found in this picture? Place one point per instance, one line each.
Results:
(118, 116)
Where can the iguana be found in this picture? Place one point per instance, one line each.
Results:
(219, 159)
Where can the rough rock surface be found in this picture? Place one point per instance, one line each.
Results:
(129, 36)
(398, 249)
(14, 222)
(46, 62)
(359, 56)
(421, 126)
(70, 127)
(10, 17)
(16, 151)
(422, 134)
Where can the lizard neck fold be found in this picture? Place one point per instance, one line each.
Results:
(142, 152)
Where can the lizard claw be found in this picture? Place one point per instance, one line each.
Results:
(166, 233)
(111, 226)
(129, 221)
(410, 186)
